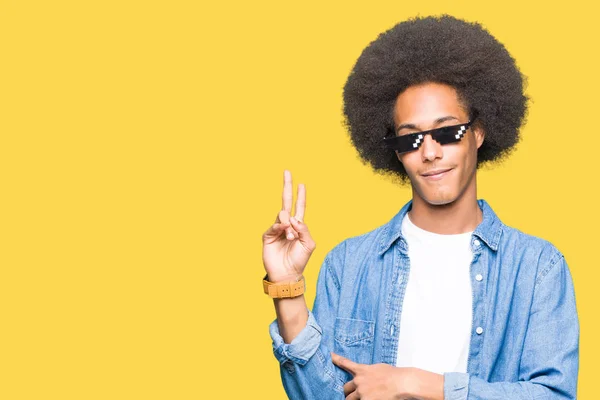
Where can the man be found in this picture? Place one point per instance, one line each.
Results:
(444, 301)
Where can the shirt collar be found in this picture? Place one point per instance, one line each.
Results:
(489, 230)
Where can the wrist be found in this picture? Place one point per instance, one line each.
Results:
(286, 288)
(425, 385)
(280, 278)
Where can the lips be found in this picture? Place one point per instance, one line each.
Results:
(436, 172)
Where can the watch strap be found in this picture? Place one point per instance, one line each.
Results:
(284, 290)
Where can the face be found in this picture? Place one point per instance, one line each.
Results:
(429, 106)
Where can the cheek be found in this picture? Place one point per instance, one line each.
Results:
(460, 155)
(410, 162)
(470, 154)
(466, 161)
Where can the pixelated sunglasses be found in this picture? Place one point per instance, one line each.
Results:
(443, 135)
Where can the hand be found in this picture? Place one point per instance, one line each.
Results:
(377, 381)
(287, 244)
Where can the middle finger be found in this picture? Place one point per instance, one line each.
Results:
(349, 387)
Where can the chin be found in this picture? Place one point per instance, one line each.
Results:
(438, 197)
(439, 201)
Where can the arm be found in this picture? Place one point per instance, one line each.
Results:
(307, 371)
(306, 367)
(292, 316)
(550, 357)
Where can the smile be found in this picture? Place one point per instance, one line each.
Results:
(438, 176)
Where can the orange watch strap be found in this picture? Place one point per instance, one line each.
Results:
(284, 290)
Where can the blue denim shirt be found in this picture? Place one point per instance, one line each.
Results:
(524, 334)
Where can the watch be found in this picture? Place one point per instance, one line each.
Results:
(284, 290)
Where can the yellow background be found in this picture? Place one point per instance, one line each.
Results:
(142, 152)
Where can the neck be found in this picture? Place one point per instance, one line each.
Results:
(460, 216)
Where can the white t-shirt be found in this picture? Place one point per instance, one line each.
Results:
(435, 322)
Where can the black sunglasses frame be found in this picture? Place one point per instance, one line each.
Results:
(443, 135)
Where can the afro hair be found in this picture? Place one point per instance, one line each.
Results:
(440, 49)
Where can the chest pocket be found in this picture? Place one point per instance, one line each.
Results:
(354, 332)
(354, 340)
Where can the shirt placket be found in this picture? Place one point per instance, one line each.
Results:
(394, 301)
(478, 274)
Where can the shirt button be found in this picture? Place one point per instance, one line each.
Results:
(478, 277)
(289, 366)
(392, 330)
(476, 242)
(479, 330)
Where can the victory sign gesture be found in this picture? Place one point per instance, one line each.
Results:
(287, 244)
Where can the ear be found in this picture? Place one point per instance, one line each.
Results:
(479, 135)
(398, 155)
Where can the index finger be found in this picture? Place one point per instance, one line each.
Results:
(345, 363)
(287, 191)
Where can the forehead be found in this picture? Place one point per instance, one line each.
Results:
(426, 102)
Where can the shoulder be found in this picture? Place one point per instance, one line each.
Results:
(529, 251)
(361, 243)
(356, 249)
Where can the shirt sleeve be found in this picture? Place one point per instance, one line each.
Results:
(550, 358)
(306, 369)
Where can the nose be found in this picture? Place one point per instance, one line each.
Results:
(430, 149)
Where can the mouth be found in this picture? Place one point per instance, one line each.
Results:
(437, 174)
